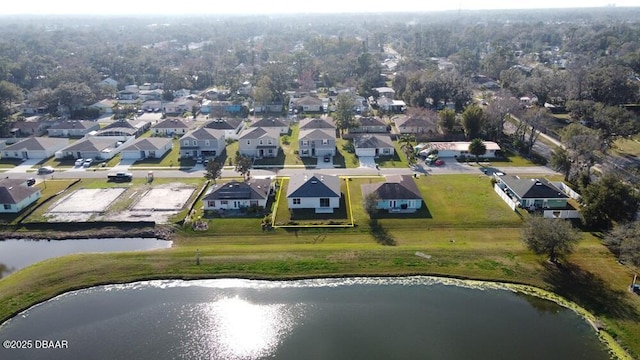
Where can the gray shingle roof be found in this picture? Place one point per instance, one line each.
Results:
(204, 134)
(317, 134)
(224, 124)
(269, 122)
(73, 124)
(152, 143)
(252, 189)
(370, 141)
(172, 123)
(317, 123)
(12, 191)
(37, 143)
(533, 188)
(91, 144)
(258, 132)
(396, 187)
(316, 185)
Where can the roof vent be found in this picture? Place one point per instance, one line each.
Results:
(314, 181)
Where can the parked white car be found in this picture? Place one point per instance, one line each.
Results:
(79, 162)
(87, 163)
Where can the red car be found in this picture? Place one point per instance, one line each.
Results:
(438, 162)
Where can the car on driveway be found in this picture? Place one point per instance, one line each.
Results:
(327, 158)
(45, 170)
(31, 181)
(438, 163)
(87, 163)
(79, 162)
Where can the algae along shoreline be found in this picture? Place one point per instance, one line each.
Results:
(590, 282)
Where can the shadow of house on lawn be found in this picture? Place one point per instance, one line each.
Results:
(590, 291)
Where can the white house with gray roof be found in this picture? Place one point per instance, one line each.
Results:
(398, 193)
(99, 148)
(170, 127)
(34, 148)
(373, 145)
(232, 127)
(315, 191)
(236, 195)
(145, 148)
(73, 128)
(16, 195)
(276, 123)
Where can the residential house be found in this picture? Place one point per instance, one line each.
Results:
(415, 125)
(98, 148)
(231, 126)
(202, 142)
(34, 148)
(307, 104)
(536, 195)
(151, 105)
(373, 145)
(217, 107)
(16, 195)
(398, 193)
(29, 109)
(180, 106)
(257, 142)
(318, 192)
(458, 148)
(280, 124)
(182, 93)
(170, 127)
(128, 95)
(33, 126)
(317, 142)
(145, 148)
(324, 122)
(370, 124)
(104, 106)
(236, 195)
(268, 108)
(72, 128)
(385, 92)
(390, 105)
(125, 128)
(109, 82)
(150, 95)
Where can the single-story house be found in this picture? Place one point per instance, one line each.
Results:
(202, 142)
(257, 142)
(143, 148)
(220, 107)
(34, 148)
(385, 92)
(535, 194)
(33, 126)
(99, 148)
(109, 82)
(277, 123)
(72, 128)
(231, 126)
(268, 108)
(415, 125)
(370, 124)
(373, 145)
(317, 142)
(125, 128)
(170, 127)
(307, 104)
(458, 148)
(147, 95)
(236, 195)
(16, 195)
(390, 105)
(129, 94)
(399, 193)
(318, 192)
(104, 106)
(180, 106)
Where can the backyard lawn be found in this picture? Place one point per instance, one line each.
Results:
(346, 156)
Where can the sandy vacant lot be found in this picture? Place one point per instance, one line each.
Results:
(82, 204)
(169, 198)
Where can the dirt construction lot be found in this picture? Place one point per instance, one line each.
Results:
(140, 202)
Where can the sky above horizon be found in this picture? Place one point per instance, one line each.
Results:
(203, 7)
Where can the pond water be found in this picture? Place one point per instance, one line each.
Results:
(353, 318)
(17, 254)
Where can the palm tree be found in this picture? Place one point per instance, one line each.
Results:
(477, 148)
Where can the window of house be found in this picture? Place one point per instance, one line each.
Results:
(304, 143)
(270, 151)
(296, 201)
(186, 143)
(324, 202)
(7, 206)
(260, 142)
(248, 142)
(206, 143)
(270, 142)
(386, 151)
(224, 202)
(195, 142)
(325, 141)
(212, 203)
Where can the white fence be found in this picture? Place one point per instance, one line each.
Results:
(504, 197)
(561, 214)
(567, 190)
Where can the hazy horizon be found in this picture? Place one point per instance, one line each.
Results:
(275, 7)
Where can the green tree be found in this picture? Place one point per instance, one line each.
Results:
(370, 204)
(406, 143)
(624, 241)
(607, 201)
(560, 161)
(213, 171)
(552, 237)
(343, 116)
(477, 148)
(243, 165)
(472, 121)
(446, 120)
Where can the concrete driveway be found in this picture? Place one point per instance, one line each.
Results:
(321, 164)
(24, 166)
(367, 162)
